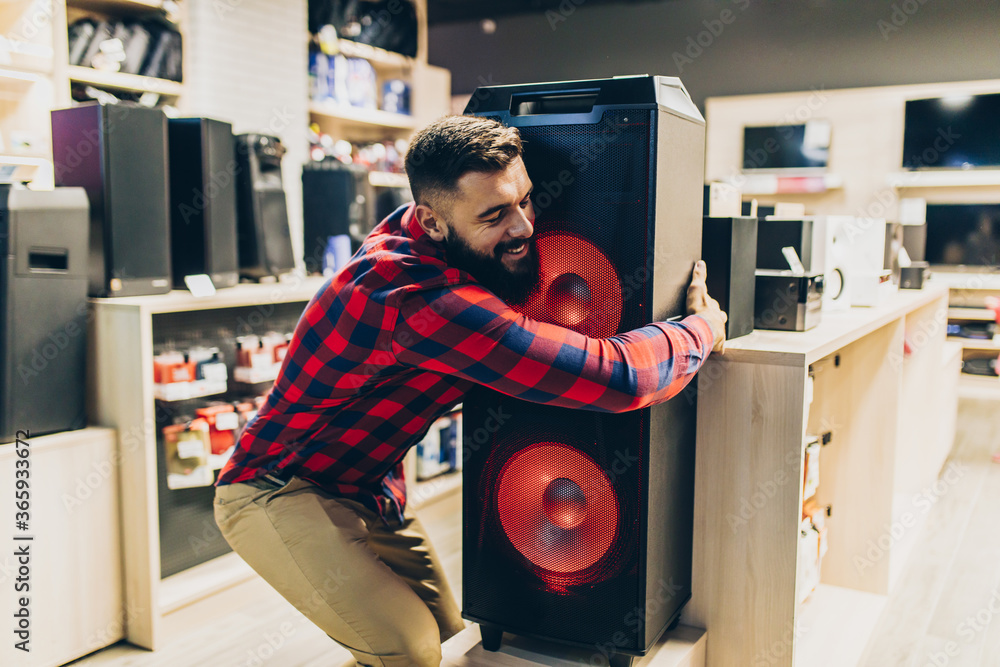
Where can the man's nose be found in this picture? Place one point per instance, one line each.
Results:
(523, 227)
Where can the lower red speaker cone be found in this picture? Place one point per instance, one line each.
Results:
(578, 286)
(557, 507)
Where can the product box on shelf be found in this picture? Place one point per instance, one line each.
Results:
(181, 376)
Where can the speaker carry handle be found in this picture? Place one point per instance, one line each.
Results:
(553, 102)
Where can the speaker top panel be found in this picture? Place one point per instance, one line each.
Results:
(582, 101)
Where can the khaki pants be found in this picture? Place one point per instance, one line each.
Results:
(377, 590)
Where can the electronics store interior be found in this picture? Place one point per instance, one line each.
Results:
(703, 370)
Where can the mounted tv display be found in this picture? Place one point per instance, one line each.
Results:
(777, 148)
(963, 234)
(955, 132)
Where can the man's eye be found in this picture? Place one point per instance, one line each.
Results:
(496, 219)
(525, 202)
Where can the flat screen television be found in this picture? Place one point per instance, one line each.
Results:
(963, 234)
(955, 132)
(778, 148)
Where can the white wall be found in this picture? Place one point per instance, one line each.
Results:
(246, 62)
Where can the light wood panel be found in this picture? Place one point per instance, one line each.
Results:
(75, 579)
(747, 506)
(857, 399)
(120, 394)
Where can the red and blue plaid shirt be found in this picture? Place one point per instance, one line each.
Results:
(397, 337)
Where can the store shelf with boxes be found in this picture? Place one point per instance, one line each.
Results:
(178, 375)
(369, 91)
(973, 317)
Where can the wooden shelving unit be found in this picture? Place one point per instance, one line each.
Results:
(944, 178)
(388, 179)
(349, 117)
(130, 7)
(124, 81)
(883, 409)
(120, 377)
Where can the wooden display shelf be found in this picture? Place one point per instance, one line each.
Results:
(379, 58)
(972, 314)
(944, 178)
(983, 344)
(786, 184)
(244, 294)
(684, 646)
(17, 79)
(752, 416)
(120, 387)
(836, 329)
(978, 387)
(123, 81)
(388, 179)
(26, 160)
(117, 6)
(353, 116)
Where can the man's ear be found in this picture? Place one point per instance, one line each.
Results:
(430, 222)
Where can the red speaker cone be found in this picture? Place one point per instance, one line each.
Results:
(578, 286)
(557, 507)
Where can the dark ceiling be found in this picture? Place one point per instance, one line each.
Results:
(448, 11)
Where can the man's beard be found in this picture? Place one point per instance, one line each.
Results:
(514, 287)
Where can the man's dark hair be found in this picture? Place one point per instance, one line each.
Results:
(453, 146)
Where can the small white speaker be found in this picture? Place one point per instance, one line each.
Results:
(837, 262)
(855, 261)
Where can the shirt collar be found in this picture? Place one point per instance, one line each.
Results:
(410, 225)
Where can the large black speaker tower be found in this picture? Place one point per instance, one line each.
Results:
(573, 519)
(118, 154)
(729, 248)
(43, 310)
(203, 200)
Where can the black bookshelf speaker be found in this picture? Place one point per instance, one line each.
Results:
(118, 154)
(806, 235)
(729, 248)
(43, 310)
(574, 519)
(264, 242)
(337, 199)
(203, 200)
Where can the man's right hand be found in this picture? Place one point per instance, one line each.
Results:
(700, 303)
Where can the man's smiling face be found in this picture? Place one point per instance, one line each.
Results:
(487, 227)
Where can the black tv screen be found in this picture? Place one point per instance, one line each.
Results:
(778, 147)
(956, 132)
(966, 234)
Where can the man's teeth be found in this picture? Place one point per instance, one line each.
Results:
(516, 250)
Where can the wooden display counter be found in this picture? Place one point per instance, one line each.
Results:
(880, 408)
(682, 647)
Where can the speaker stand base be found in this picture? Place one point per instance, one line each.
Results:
(620, 660)
(492, 636)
